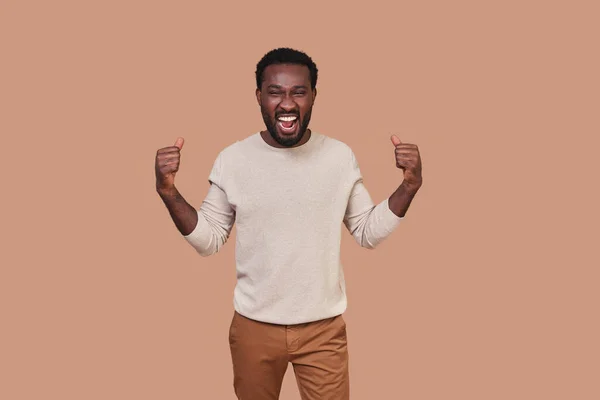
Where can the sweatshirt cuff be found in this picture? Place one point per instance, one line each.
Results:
(199, 238)
(386, 219)
(390, 214)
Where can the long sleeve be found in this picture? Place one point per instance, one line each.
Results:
(215, 221)
(368, 223)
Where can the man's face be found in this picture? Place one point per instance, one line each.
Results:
(286, 100)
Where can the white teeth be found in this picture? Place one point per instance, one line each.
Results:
(287, 119)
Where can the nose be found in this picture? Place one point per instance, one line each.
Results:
(288, 104)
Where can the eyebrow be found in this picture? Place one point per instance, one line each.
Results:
(273, 86)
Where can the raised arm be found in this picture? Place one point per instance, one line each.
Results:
(207, 228)
(370, 224)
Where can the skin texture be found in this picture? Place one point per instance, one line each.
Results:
(285, 90)
(166, 166)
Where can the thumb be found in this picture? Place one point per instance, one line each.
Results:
(179, 142)
(395, 140)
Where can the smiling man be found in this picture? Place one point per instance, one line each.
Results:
(288, 190)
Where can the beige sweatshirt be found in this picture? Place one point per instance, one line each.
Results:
(288, 205)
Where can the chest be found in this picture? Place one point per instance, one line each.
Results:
(267, 189)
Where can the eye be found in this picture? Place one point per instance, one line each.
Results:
(274, 93)
(300, 93)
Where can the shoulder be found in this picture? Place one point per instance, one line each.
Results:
(228, 160)
(337, 147)
(342, 156)
(237, 148)
(341, 152)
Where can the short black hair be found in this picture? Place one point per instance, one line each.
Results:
(286, 55)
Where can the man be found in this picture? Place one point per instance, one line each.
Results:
(288, 189)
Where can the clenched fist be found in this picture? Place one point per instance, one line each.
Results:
(408, 160)
(167, 165)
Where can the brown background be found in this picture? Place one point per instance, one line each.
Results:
(488, 290)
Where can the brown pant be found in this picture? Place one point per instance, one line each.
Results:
(318, 351)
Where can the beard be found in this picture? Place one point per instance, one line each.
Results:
(286, 141)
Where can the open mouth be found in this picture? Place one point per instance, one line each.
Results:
(287, 123)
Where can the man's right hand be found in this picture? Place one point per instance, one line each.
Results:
(167, 165)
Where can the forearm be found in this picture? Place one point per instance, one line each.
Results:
(400, 200)
(370, 224)
(183, 214)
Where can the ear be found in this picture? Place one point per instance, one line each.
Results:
(258, 97)
(314, 94)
